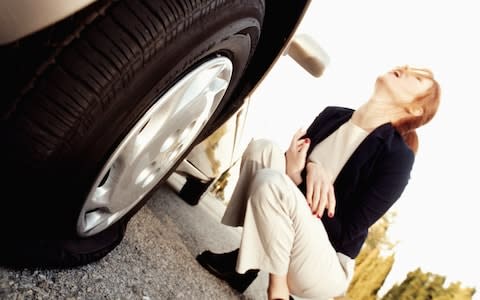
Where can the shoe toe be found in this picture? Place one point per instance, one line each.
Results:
(224, 269)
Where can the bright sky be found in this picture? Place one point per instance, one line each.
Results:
(438, 215)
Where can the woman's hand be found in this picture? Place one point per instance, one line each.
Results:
(296, 156)
(320, 194)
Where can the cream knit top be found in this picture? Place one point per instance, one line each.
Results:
(332, 153)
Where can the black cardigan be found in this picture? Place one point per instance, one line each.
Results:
(372, 179)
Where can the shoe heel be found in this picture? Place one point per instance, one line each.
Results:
(242, 283)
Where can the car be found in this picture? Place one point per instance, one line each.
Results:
(103, 100)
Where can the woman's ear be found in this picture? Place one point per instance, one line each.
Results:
(415, 111)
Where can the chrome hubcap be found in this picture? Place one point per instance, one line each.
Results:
(154, 145)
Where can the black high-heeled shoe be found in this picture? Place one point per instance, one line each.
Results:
(223, 267)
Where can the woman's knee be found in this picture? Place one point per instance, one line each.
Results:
(267, 186)
(260, 148)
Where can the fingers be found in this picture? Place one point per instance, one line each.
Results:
(320, 193)
(304, 144)
(322, 201)
(297, 135)
(316, 198)
(309, 193)
(296, 142)
(331, 202)
(300, 132)
(298, 145)
(323, 197)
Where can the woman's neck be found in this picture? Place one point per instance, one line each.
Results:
(373, 114)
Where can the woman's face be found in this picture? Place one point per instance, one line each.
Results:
(404, 84)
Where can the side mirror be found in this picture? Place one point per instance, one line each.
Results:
(308, 54)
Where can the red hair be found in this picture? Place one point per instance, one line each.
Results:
(427, 101)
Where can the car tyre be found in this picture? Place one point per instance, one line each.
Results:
(69, 123)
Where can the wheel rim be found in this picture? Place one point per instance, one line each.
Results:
(154, 144)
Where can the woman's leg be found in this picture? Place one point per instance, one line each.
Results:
(259, 154)
(277, 287)
(282, 237)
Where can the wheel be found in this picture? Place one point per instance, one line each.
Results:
(109, 119)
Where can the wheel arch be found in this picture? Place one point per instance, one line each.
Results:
(281, 20)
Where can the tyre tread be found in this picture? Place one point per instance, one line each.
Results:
(112, 43)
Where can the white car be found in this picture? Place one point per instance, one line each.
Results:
(102, 100)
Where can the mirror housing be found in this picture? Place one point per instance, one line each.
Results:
(308, 54)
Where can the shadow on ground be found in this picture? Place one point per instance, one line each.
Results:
(156, 260)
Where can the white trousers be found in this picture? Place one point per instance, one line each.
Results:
(280, 235)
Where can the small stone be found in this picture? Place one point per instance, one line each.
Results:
(20, 297)
(42, 284)
(28, 286)
(40, 292)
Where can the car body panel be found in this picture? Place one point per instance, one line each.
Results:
(22, 17)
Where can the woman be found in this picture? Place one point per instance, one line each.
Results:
(306, 212)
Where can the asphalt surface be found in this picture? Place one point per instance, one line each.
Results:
(155, 260)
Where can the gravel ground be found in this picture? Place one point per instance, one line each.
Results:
(156, 260)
